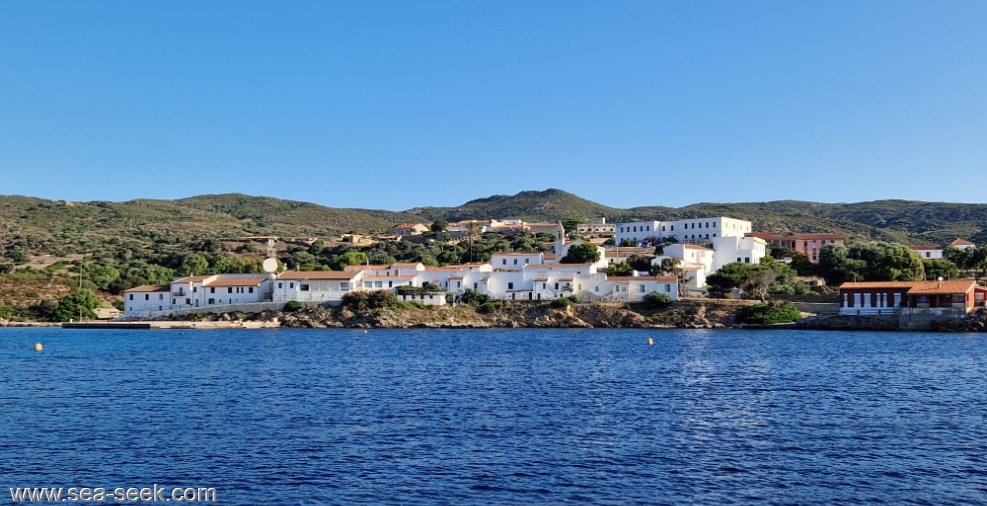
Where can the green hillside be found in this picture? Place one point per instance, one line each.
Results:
(532, 206)
(38, 226)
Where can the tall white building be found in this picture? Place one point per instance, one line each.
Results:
(688, 230)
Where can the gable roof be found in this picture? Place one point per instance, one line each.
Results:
(915, 287)
(150, 288)
(236, 281)
(961, 242)
(319, 275)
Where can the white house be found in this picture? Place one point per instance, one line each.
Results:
(410, 229)
(749, 250)
(145, 299)
(704, 229)
(634, 288)
(515, 261)
(928, 252)
(316, 286)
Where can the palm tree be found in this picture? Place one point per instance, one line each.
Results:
(473, 231)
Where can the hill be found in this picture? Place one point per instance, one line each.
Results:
(532, 206)
(38, 226)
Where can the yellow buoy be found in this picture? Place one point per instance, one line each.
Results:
(650, 341)
(38, 347)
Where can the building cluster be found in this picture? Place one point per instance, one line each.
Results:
(701, 245)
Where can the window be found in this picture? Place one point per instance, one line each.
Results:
(515, 261)
(212, 290)
(303, 287)
(510, 286)
(668, 287)
(747, 260)
(344, 285)
(505, 261)
(474, 286)
(663, 228)
(147, 296)
(378, 284)
(160, 296)
(556, 286)
(131, 296)
(212, 301)
(368, 284)
(280, 285)
(641, 288)
(596, 288)
(390, 284)
(291, 286)
(251, 289)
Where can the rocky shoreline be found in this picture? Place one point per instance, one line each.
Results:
(516, 315)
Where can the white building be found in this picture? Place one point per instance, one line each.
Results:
(316, 286)
(637, 231)
(691, 230)
(634, 288)
(748, 250)
(145, 299)
(928, 252)
(515, 261)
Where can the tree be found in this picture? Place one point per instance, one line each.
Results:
(639, 262)
(620, 269)
(194, 264)
(439, 225)
(668, 265)
(317, 247)
(940, 268)
(473, 232)
(869, 262)
(584, 253)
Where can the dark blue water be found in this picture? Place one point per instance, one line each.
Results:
(500, 416)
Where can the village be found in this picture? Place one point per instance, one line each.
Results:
(695, 248)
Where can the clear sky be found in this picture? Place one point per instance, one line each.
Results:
(398, 104)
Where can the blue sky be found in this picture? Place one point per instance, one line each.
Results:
(394, 105)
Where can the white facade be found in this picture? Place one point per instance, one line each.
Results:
(515, 261)
(928, 252)
(748, 250)
(688, 230)
(143, 300)
(636, 231)
(635, 288)
(704, 229)
(316, 286)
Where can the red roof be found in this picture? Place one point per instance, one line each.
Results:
(319, 275)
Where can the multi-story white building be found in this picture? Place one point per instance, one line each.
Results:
(691, 230)
(145, 299)
(637, 231)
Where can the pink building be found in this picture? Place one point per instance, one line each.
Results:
(808, 244)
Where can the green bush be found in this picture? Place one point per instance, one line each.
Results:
(657, 300)
(474, 298)
(574, 298)
(486, 308)
(767, 314)
(561, 302)
(291, 306)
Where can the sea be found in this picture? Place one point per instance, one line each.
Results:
(509, 416)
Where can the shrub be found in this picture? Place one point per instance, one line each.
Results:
(474, 298)
(561, 302)
(657, 300)
(487, 308)
(767, 314)
(291, 306)
(574, 298)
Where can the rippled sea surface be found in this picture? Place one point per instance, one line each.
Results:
(500, 416)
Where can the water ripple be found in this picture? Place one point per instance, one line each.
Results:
(501, 416)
